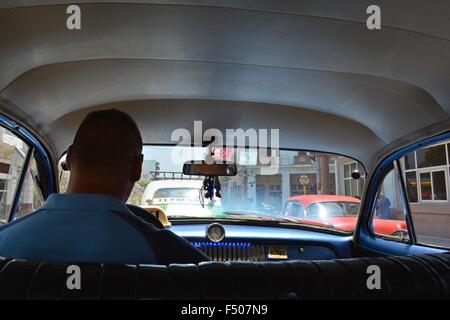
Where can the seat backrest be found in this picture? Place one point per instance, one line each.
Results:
(420, 276)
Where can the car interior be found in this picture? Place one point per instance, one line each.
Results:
(354, 123)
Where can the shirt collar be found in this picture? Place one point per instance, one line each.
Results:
(84, 201)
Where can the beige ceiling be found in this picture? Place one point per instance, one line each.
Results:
(309, 68)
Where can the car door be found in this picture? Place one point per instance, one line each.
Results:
(409, 192)
(26, 177)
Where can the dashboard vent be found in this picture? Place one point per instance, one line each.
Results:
(232, 251)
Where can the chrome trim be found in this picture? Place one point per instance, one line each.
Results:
(232, 251)
(208, 232)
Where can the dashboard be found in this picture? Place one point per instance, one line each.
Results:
(237, 242)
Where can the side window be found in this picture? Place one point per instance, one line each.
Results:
(31, 197)
(13, 153)
(389, 210)
(426, 176)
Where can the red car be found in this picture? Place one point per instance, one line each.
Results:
(337, 212)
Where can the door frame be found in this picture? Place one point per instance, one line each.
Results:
(39, 151)
(366, 243)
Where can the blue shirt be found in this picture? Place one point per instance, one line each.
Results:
(384, 208)
(92, 228)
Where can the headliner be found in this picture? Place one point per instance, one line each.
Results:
(310, 68)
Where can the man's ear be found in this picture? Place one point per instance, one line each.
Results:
(136, 169)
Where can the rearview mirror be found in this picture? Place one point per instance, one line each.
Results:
(193, 168)
(356, 174)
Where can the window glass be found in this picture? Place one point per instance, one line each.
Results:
(431, 156)
(301, 179)
(410, 161)
(3, 189)
(411, 186)
(31, 197)
(448, 152)
(347, 187)
(323, 210)
(347, 171)
(13, 152)
(293, 209)
(354, 187)
(439, 187)
(361, 183)
(427, 188)
(388, 216)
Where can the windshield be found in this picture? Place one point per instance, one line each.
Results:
(254, 193)
(287, 194)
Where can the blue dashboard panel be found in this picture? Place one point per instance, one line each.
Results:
(299, 244)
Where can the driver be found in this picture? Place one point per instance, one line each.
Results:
(90, 223)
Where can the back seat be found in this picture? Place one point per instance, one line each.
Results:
(419, 276)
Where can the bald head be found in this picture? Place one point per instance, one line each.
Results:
(107, 133)
(105, 156)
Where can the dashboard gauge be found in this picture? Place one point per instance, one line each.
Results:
(215, 232)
